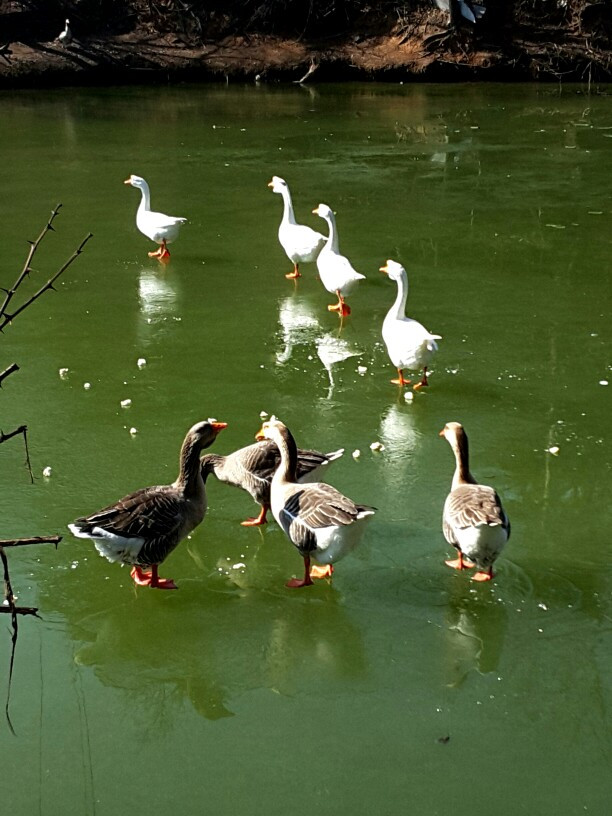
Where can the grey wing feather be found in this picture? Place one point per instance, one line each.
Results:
(472, 506)
(148, 513)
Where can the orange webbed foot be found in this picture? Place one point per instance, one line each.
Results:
(459, 563)
(293, 275)
(322, 572)
(151, 579)
(483, 576)
(254, 522)
(401, 381)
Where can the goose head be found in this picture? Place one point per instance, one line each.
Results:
(323, 211)
(203, 434)
(270, 429)
(394, 270)
(278, 185)
(136, 181)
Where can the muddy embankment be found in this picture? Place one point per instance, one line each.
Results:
(144, 41)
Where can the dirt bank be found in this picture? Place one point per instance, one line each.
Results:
(413, 48)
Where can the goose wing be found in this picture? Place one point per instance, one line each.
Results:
(473, 506)
(150, 513)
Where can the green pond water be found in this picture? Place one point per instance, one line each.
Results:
(401, 687)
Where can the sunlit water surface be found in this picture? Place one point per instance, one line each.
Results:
(401, 687)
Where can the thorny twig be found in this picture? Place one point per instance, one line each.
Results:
(5, 317)
(8, 605)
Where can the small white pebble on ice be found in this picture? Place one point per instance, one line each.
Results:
(63, 372)
(362, 370)
(141, 362)
(409, 396)
(377, 446)
(603, 382)
(543, 606)
(87, 386)
(239, 565)
(263, 414)
(47, 471)
(356, 454)
(554, 450)
(133, 431)
(126, 403)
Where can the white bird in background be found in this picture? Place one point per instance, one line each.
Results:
(161, 228)
(408, 342)
(65, 37)
(335, 271)
(469, 10)
(301, 243)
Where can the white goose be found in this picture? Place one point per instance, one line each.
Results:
(335, 271)
(65, 37)
(301, 243)
(161, 228)
(316, 518)
(473, 521)
(408, 342)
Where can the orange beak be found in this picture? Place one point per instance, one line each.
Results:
(270, 184)
(384, 269)
(315, 211)
(441, 432)
(128, 181)
(260, 434)
(218, 426)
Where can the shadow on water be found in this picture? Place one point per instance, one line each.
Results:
(211, 647)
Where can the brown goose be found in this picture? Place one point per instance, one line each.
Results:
(144, 527)
(317, 518)
(253, 467)
(474, 521)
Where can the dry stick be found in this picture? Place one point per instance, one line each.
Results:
(7, 318)
(26, 268)
(22, 429)
(21, 542)
(7, 372)
(9, 605)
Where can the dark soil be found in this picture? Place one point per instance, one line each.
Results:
(573, 44)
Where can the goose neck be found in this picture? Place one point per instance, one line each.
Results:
(288, 214)
(190, 478)
(145, 198)
(333, 242)
(211, 463)
(287, 470)
(462, 473)
(398, 310)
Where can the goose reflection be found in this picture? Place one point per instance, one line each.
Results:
(401, 438)
(298, 323)
(157, 295)
(474, 636)
(214, 647)
(332, 350)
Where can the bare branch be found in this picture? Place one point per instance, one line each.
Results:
(8, 371)
(8, 318)
(21, 542)
(9, 606)
(20, 430)
(20, 610)
(26, 268)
